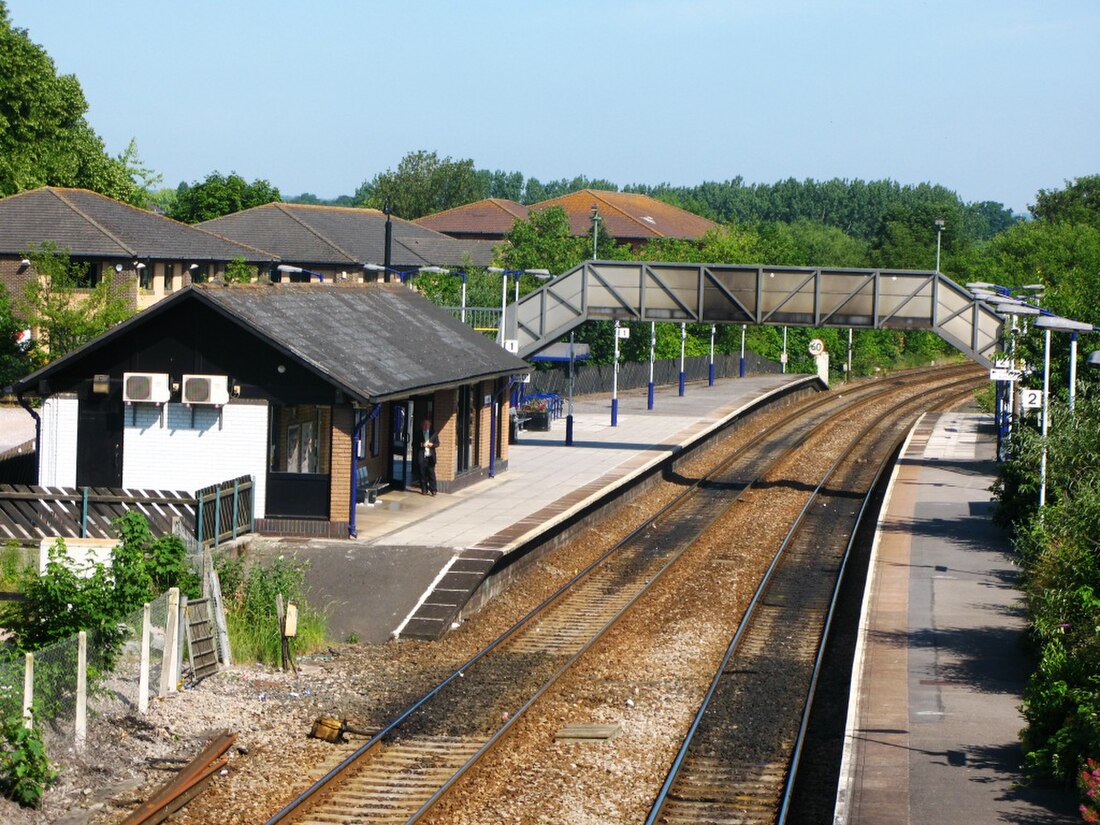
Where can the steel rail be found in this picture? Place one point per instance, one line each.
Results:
(750, 612)
(866, 393)
(819, 660)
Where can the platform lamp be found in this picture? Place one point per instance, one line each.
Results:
(1047, 323)
(940, 223)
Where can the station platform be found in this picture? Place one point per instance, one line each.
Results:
(940, 667)
(417, 558)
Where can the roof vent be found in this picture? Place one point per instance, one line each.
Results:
(648, 219)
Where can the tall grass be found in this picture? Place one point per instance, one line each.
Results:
(249, 593)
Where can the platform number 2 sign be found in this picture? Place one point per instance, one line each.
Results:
(1031, 399)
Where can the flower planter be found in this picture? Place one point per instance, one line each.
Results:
(538, 421)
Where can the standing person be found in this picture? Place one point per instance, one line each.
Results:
(427, 444)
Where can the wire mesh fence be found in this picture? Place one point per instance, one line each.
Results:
(113, 681)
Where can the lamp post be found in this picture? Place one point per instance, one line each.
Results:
(615, 381)
(848, 370)
(1047, 323)
(783, 358)
(595, 230)
(940, 223)
(569, 414)
(388, 238)
(683, 341)
(710, 377)
(652, 351)
(742, 367)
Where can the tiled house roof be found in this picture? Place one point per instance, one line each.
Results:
(491, 217)
(628, 216)
(90, 225)
(343, 236)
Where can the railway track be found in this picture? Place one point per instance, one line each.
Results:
(739, 760)
(399, 774)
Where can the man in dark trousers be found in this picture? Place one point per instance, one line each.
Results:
(426, 446)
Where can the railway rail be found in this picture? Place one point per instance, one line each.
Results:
(739, 760)
(413, 761)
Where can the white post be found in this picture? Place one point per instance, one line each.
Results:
(783, 358)
(143, 673)
(81, 689)
(741, 368)
(1072, 368)
(1046, 418)
(464, 298)
(28, 690)
(503, 304)
(683, 343)
(848, 372)
(171, 631)
(652, 351)
(710, 365)
(615, 379)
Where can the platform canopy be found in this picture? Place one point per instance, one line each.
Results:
(750, 294)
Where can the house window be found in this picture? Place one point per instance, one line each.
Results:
(200, 273)
(169, 274)
(145, 278)
(86, 274)
(300, 439)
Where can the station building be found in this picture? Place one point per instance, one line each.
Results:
(310, 391)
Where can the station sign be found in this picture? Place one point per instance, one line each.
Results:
(623, 332)
(1002, 374)
(1031, 399)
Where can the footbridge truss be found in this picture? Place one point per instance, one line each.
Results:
(742, 294)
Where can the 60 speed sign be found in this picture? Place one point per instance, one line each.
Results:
(816, 347)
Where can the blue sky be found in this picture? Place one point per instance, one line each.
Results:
(992, 99)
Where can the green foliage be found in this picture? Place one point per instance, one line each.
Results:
(1079, 202)
(250, 608)
(1059, 549)
(65, 314)
(15, 359)
(237, 271)
(25, 770)
(11, 565)
(423, 183)
(62, 601)
(44, 138)
(219, 195)
(544, 241)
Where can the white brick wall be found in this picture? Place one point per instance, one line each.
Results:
(57, 463)
(187, 448)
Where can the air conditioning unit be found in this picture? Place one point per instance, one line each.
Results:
(205, 389)
(145, 387)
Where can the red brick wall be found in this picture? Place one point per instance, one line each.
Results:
(339, 507)
(445, 413)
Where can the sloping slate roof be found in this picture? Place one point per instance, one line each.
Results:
(91, 225)
(376, 340)
(343, 236)
(629, 216)
(491, 216)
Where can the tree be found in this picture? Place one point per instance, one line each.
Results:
(219, 195)
(44, 138)
(544, 241)
(145, 179)
(423, 183)
(1079, 202)
(238, 271)
(63, 317)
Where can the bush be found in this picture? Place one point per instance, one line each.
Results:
(250, 608)
(25, 770)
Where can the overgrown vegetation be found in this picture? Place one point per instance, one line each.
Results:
(65, 599)
(1059, 544)
(249, 594)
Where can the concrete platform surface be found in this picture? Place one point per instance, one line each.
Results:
(417, 557)
(940, 667)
